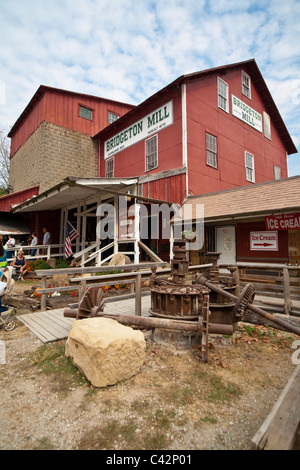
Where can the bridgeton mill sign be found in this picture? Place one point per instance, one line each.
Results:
(150, 124)
(246, 114)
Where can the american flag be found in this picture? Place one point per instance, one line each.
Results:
(71, 235)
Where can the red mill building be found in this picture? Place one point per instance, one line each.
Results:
(205, 132)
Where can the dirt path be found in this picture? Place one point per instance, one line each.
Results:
(174, 402)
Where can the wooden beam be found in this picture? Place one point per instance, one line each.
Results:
(279, 431)
(150, 252)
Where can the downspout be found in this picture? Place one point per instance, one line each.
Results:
(99, 143)
(184, 134)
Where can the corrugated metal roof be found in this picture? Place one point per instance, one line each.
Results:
(248, 201)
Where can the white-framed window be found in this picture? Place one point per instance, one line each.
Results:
(277, 172)
(249, 163)
(223, 94)
(109, 168)
(267, 125)
(112, 117)
(246, 85)
(85, 112)
(211, 150)
(151, 153)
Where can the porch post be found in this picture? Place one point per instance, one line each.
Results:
(136, 232)
(171, 240)
(116, 224)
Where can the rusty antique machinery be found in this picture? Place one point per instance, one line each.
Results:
(176, 298)
(91, 305)
(182, 299)
(196, 304)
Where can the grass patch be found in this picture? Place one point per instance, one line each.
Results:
(110, 435)
(149, 434)
(219, 391)
(44, 444)
(209, 419)
(51, 360)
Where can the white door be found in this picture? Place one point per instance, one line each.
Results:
(225, 244)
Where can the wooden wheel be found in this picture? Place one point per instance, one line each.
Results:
(91, 304)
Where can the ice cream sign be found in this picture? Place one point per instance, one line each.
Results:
(283, 221)
(264, 241)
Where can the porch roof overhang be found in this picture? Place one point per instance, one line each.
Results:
(11, 224)
(72, 191)
(244, 203)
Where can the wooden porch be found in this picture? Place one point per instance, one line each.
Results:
(51, 325)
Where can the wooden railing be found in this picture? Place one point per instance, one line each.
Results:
(277, 284)
(42, 251)
(138, 273)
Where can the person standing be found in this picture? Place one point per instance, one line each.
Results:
(47, 237)
(10, 242)
(34, 242)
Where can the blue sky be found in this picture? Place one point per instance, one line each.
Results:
(128, 49)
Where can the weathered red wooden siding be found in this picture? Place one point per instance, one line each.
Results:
(233, 138)
(130, 162)
(32, 122)
(62, 109)
(172, 189)
(10, 200)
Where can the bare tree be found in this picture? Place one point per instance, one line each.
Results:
(4, 163)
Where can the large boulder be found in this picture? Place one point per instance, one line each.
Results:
(119, 260)
(104, 350)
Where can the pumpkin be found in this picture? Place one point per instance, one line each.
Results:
(36, 294)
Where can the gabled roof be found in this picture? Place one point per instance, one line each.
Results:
(250, 66)
(254, 200)
(40, 93)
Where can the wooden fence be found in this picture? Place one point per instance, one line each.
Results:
(276, 285)
(135, 274)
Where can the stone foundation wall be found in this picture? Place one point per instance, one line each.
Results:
(51, 154)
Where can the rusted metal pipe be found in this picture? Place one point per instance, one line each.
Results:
(153, 322)
(293, 329)
(70, 312)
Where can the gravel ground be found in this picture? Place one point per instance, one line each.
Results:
(175, 402)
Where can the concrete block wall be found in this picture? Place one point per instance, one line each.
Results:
(51, 154)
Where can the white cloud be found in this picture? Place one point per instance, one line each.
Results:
(128, 50)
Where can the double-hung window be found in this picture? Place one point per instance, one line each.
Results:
(223, 102)
(249, 162)
(109, 168)
(151, 153)
(246, 85)
(211, 150)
